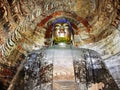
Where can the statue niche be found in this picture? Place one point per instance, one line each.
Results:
(62, 66)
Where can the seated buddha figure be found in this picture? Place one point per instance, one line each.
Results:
(62, 66)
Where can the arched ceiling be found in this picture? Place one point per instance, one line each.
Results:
(25, 22)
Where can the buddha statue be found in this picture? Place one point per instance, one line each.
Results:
(62, 32)
(62, 66)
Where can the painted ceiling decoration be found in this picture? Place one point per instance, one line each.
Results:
(25, 25)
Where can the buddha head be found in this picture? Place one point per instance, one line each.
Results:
(62, 31)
